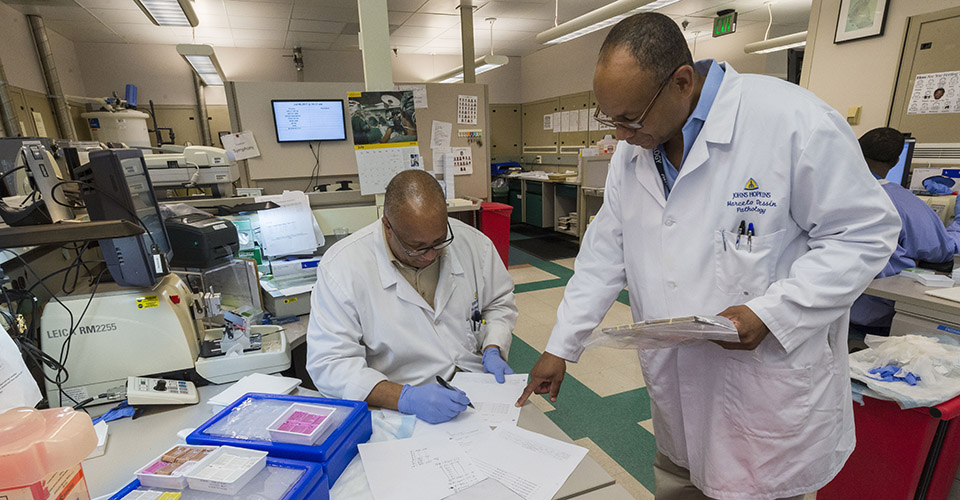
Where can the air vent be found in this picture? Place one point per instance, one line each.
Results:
(539, 149)
(937, 153)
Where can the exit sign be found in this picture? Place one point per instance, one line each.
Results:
(725, 23)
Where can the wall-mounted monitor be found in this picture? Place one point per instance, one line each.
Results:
(309, 120)
(900, 173)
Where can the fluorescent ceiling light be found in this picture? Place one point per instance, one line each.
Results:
(481, 65)
(597, 19)
(202, 59)
(775, 44)
(169, 12)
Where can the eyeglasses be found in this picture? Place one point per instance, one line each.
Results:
(638, 123)
(421, 251)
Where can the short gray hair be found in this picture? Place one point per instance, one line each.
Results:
(654, 40)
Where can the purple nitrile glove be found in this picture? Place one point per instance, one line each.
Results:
(432, 403)
(493, 363)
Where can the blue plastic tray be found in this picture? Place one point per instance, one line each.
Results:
(312, 485)
(335, 452)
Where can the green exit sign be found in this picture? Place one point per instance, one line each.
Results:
(725, 23)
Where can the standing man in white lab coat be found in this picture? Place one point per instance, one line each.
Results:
(739, 195)
(411, 297)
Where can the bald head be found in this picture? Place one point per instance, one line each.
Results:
(413, 191)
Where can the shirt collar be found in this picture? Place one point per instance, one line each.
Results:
(711, 85)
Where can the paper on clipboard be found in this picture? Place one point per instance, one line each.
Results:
(667, 332)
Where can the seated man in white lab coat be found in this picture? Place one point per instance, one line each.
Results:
(922, 234)
(411, 297)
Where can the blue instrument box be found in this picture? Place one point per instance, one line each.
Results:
(244, 424)
(311, 485)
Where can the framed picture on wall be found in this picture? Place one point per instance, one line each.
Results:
(860, 19)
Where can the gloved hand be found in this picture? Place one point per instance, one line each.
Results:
(493, 363)
(939, 184)
(432, 403)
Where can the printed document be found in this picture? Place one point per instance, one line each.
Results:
(532, 465)
(430, 467)
(494, 401)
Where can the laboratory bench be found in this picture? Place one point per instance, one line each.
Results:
(915, 310)
(133, 443)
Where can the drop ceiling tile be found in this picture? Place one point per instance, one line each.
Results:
(405, 5)
(402, 41)
(50, 12)
(245, 34)
(209, 32)
(445, 6)
(306, 36)
(257, 9)
(83, 33)
(518, 24)
(259, 44)
(515, 9)
(307, 45)
(213, 20)
(259, 23)
(345, 11)
(209, 7)
(149, 29)
(347, 42)
(418, 32)
(438, 51)
(106, 4)
(216, 42)
(316, 26)
(394, 17)
(433, 20)
(110, 16)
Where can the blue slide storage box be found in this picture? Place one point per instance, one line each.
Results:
(335, 452)
(312, 485)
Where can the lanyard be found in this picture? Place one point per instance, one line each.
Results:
(658, 160)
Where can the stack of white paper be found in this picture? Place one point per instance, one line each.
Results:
(255, 382)
(291, 228)
(495, 402)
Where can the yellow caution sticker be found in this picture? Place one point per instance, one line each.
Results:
(170, 495)
(148, 302)
(289, 300)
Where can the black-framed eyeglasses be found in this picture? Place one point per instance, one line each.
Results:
(420, 251)
(638, 123)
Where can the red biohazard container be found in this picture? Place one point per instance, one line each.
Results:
(41, 451)
(495, 223)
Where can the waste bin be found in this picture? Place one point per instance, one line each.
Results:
(495, 223)
(900, 454)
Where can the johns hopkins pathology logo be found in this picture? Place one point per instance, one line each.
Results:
(752, 198)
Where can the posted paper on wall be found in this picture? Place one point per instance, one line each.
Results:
(935, 93)
(291, 228)
(548, 121)
(462, 161)
(556, 121)
(419, 94)
(440, 135)
(377, 166)
(429, 467)
(467, 109)
(242, 144)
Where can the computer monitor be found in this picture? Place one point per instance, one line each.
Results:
(115, 185)
(309, 120)
(900, 173)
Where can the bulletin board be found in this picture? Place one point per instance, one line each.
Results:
(250, 109)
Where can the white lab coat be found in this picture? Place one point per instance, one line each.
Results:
(776, 421)
(368, 324)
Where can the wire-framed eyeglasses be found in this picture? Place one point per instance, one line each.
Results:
(421, 251)
(638, 123)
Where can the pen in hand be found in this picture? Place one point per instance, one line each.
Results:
(443, 383)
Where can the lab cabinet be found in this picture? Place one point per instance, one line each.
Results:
(572, 142)
(536, 138)
(538, 203)
(593, 174)
(505, 126)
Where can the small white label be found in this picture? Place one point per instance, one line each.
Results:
(77, 393)
(158, 263)
(220, 226)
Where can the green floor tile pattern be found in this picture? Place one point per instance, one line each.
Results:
(610, 422)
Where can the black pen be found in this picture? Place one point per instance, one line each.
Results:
(740, 232)
(443, 383)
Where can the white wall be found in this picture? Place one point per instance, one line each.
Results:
(18, 53)
(68, 64)
(503, 83)
(860, 72)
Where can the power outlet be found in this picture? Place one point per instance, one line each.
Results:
(538, 159)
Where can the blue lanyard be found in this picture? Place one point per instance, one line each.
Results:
(658, 160)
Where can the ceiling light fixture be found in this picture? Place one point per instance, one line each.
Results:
(481, 65)
(202, 59)
(169, 12)
(785, 42)
(600, 18)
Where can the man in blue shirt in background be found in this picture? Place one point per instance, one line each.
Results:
(922, 235)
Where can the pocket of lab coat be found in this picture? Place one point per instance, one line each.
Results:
(766, 402)
(746, 271)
